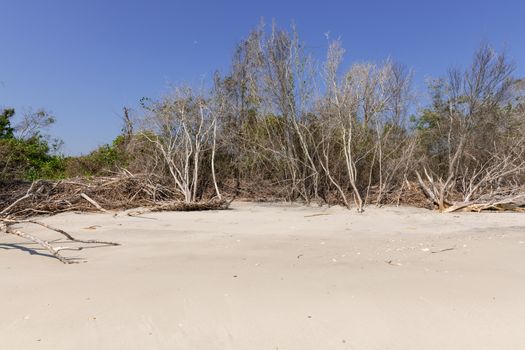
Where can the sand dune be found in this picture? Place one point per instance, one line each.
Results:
(271, 277)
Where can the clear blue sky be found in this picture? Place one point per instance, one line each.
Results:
(84, 60)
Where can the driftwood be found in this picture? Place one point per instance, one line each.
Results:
(12, 205)
(22, 201)
(214, 204)
(95, 204)
(7, 225)
(512, 203)
(219, 204)
(510, 199)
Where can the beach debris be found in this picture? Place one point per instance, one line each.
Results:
(95, 204)
(442, 250)
(7, 225)
(442, 194)
(92, 227)
(23, 200)
(316, 214)
(46, 197)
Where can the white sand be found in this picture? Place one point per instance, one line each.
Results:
(272, 277)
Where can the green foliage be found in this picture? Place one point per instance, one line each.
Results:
(102, 161)
(29, 159)
(429, 119)
(29, 155)
(6, 131)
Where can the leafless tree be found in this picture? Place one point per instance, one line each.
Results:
(182, 127)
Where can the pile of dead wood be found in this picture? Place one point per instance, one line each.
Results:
(21, 202)
(450, 200)
(513, 202)
(44, 197)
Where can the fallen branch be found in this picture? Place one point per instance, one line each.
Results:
(442, 250)
(69, 236)
(12, 205)
(54, 252)
(95, 204)
(6, 225)
(317, 214)
(513, 203)
(218, 204)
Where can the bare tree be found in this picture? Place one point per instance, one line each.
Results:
(181, 127)
(33, 123)
(240, 99)
(289, 80)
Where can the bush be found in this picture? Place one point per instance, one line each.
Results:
(29, 160)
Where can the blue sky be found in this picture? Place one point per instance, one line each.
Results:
(84, 60)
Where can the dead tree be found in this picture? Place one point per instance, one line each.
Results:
(239, 96)
(288, 78)
(182, 127)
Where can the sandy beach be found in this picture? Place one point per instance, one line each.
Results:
(271, 276)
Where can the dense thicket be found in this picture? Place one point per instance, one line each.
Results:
(25, 153)
(280, 125)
